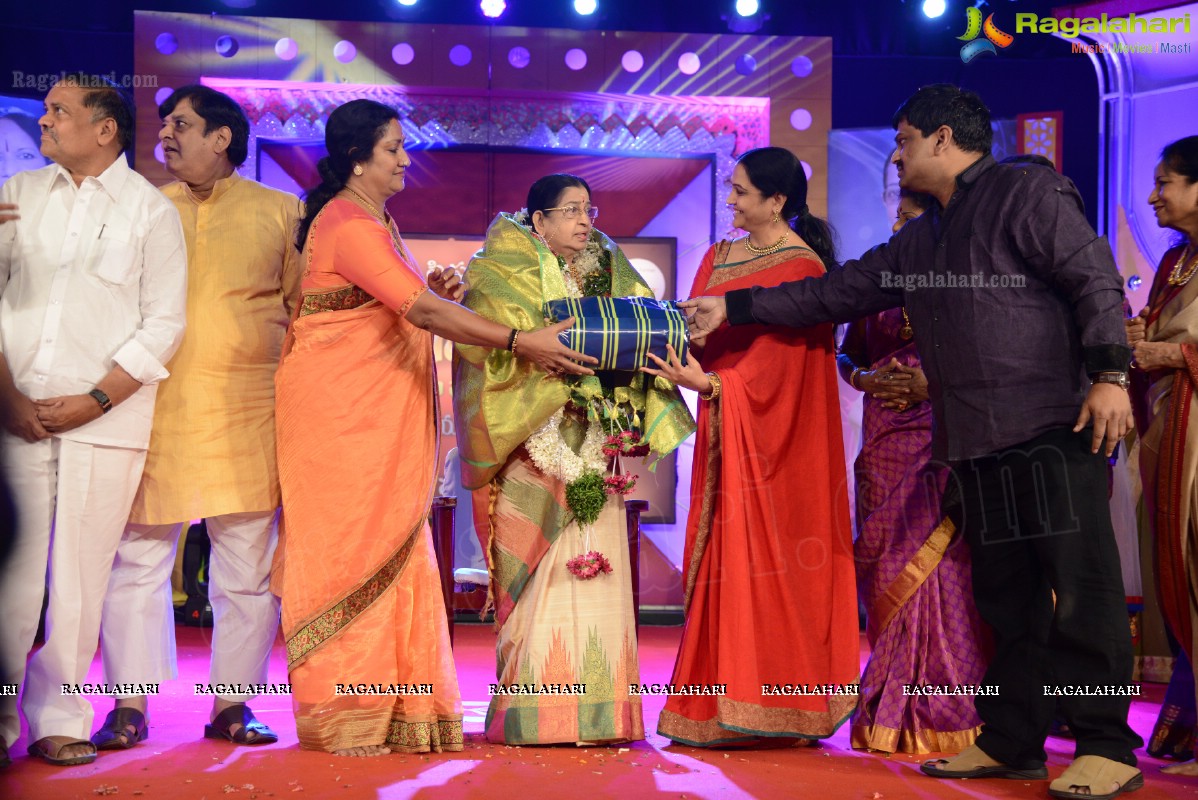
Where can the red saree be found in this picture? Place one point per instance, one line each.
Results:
(770, 593)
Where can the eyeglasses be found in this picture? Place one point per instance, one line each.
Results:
(572, 212)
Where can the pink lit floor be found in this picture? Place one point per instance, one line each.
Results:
(177, 763)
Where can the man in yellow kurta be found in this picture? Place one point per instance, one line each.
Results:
(212, 448)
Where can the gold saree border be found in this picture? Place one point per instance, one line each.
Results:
(707, 509)
(380, 726)
(325, 625)
(736, 721)
(742, 269)
(892, 740)
(420, 736)
(914, 573)
(343, 298)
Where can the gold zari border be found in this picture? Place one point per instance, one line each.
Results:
(342, 299)
(742, 269)
(736, 720)
(922, 564)
(327, 624)
(890, 740)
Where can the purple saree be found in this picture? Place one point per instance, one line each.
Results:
(912, 573)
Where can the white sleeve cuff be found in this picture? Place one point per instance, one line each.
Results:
(143, 367)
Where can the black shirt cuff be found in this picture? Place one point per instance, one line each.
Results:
(1103, 358)
(739, 306)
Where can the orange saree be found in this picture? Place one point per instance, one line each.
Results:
(367, 643)
(771, 611)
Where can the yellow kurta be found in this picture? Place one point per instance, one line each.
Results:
(212, 449)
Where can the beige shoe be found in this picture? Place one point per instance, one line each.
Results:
(972, 762)
(1087, 776)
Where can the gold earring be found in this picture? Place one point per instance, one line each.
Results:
(777, 217)
(358, 169)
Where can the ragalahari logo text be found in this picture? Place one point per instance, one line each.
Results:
(974, 27)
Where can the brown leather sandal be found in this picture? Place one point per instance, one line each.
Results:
(47, 750)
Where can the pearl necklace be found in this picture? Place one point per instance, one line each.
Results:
(765, 251)
(1181, 273)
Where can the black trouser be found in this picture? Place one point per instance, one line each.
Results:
(1037, 521)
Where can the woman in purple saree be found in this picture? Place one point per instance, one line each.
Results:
(913, 575)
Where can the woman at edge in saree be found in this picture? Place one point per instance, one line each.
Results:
(768, 567)
(1164, 338)
(535, 449)
(357, 448)
(912, 573)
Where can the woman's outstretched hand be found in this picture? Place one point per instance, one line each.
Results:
(688, 375)
(543, 348)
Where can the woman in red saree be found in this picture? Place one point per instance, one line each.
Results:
(367, 643)
(771, 611)
(1165, 341)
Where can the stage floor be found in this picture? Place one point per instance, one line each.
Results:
(177, 763)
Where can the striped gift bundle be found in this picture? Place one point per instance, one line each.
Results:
(619, 331)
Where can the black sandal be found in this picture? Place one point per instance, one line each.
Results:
(251, 732)
(115, 734)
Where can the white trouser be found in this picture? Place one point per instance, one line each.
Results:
(138, 636)
(83, 492)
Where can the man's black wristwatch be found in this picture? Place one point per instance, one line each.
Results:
(1117, 378)
(102, 399)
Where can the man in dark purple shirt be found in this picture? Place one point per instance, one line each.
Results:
(1017, 307)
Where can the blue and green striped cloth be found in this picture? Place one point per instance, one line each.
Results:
(619, 331)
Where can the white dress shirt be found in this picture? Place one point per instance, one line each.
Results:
(91, 276)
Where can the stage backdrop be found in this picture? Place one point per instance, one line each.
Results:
(653, 121)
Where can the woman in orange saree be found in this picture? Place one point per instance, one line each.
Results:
(367, 643)
(771, 612)
(1165, 341)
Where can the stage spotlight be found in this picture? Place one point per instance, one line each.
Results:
(406, 2)
(585, 7)
(746, 17)
(492, 8)
(933, 8)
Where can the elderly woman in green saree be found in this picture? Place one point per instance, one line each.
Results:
(537, 449)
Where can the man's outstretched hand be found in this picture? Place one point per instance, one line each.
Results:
(704, 314)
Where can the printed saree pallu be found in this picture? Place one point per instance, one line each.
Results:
(768, 563)
(367, 644)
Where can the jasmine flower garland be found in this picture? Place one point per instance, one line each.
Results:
(596, 470)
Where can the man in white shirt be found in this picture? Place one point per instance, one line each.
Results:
(92, 300)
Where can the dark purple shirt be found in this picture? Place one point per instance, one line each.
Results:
(1013, 297)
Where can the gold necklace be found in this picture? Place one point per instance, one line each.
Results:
(1181, 273)
(906, 332)
(395, 237)
(765, 251)
(369, 205)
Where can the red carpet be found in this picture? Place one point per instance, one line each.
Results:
(177, 763)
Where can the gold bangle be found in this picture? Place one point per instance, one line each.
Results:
(853, 378)
(715, 387)
(515, 342)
